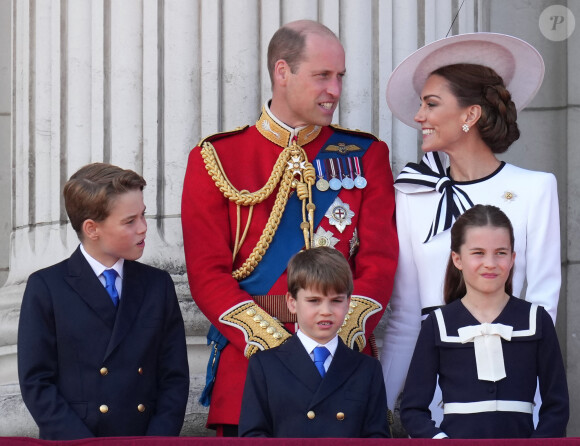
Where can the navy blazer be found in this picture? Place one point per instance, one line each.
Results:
(89, 369)
(284, 395)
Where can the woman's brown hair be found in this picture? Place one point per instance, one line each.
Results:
(479, 85)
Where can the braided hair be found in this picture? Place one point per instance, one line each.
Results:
(479, 85)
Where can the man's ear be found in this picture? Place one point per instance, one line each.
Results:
(90, 229)
(281, 72)
(291, 303)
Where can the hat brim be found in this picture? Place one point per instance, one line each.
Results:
(519, 64)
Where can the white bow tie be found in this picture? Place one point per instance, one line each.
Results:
(488, 351)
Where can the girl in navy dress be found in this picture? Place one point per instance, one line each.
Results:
(488, 347)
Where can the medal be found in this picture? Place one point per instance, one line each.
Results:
(324, 238)
(344, 180)
(334, 183)
(347, 181)
(360, 181)
(321, 184)
(339, 214)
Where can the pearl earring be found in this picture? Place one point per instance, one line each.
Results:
(465, 128)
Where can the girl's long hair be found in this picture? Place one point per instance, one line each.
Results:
(478, 216)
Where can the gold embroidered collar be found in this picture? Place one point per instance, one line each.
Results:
(276, 131)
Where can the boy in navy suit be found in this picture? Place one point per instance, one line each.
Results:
(314, 385)
(101, 340)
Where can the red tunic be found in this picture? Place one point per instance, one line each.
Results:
(209, 231)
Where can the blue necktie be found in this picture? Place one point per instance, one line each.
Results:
(320, 355)
(110, 276)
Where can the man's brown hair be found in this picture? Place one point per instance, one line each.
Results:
(323, 269)
(288, 43)
(90, 192)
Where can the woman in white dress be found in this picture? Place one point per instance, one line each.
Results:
(463, 93)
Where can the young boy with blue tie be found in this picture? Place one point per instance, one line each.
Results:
(101, 340)
(313, 385)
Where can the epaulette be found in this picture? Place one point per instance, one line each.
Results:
(354, 132)
(216, 136)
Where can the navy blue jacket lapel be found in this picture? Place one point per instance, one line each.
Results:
(343, 365)
(131, 300)
(295, 357)
(83, 280)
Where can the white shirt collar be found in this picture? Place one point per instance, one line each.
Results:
(293, 131)
(98, 267)
(309, 343)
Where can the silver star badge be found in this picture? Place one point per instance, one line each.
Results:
(296, 164)
(339, 214)
(324, 238)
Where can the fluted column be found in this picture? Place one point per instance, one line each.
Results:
(112, 81)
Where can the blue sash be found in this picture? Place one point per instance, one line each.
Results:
(289, 238)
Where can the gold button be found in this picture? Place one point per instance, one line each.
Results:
(140, 370)
(104, 409)
(104, 371)
(141, 408)
(340, 416)
(311, 415)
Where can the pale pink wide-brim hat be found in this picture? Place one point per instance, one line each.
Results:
(519, 64)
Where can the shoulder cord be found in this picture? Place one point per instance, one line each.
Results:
(291, 162)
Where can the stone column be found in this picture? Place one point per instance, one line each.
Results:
(99, 81)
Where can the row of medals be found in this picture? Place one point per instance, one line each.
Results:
(342, 174)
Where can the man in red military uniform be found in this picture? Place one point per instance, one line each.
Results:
(255, 196)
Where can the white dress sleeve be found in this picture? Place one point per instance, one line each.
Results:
(404, 321)
(543, 262)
